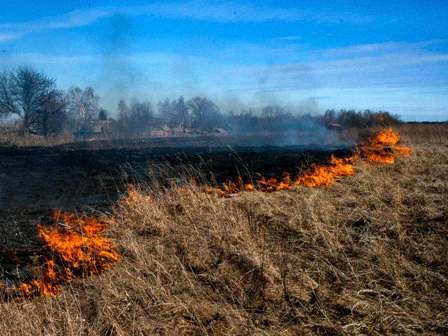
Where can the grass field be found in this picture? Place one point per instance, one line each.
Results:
(367, 255)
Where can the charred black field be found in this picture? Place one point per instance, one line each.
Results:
(90, 176)
(94, 174)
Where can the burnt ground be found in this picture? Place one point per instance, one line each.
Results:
(34, 181)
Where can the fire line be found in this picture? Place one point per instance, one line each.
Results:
(76, 246)
(382, 148)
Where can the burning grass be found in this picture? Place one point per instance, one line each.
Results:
(380, 148)
(366, 256)
(73, 247)
(383, 148)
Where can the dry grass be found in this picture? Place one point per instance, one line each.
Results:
(364, 256)
(13, 138)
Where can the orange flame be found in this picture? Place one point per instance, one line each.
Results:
(320, 175)
(81, 245)
(386, 137)
(381, 149)
(78, 248)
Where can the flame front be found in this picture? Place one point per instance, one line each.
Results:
(78, 247)
(380, 149)
(320, 175)
(386, 137)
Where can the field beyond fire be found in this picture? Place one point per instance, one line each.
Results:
(364, 254)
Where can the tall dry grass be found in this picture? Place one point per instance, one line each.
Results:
(8, 138)
(364, 256)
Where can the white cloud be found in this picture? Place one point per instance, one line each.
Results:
(69, 20)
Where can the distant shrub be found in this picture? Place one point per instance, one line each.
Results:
(360, 119)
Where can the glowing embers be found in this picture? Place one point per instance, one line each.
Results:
(73, 247)
(262, 184)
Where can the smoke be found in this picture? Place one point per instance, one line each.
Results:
(118, 74)
(265, 111)
(306, 106)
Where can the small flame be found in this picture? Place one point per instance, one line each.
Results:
(320, 175)
(78, 248)
(386, 137)
(383, 148)
(81, 245)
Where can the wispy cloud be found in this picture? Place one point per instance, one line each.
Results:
(5, 36)
(393, 62)
(380, 62)
(362, 65)
(191, 10)
(290, 38)
(46, 59)
(357, 57)
(69, 20)
(136, 59)
(224, 12)
(375, 48)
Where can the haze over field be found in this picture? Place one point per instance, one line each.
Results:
(340, 55)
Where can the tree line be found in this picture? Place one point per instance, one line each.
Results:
(32, 98)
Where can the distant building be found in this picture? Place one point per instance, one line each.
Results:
(334, 126)
(95, 129)
(160, 133)
(220, 132)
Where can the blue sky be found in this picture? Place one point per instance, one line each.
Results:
(313, 55)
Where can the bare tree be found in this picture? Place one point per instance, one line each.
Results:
(50, 117)
(135, 119)
(182, 115)
(271, 112)
(205, 114)
(175, 113)
(82, 105)
(23, 93)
